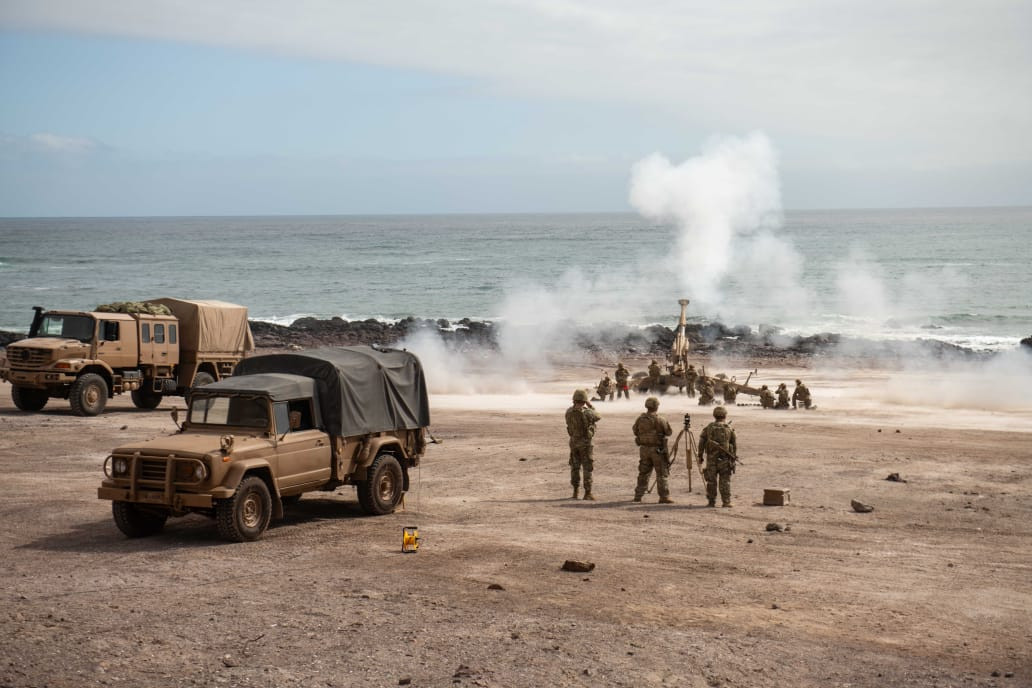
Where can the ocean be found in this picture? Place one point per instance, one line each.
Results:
(956, 275)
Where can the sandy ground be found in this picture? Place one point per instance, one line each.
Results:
(933, 588)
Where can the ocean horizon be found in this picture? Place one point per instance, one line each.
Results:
(958, 275)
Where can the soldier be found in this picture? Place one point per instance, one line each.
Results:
(706, 392)
(650, 434)
(801, 395)
(766, 397)
(605, 388)
(730, 391)
(621, 381)
(580, 425)
(782, 396)
(719, 446)
(691, 376)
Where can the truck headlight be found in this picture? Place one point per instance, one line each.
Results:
(120, 466)
(191, 471)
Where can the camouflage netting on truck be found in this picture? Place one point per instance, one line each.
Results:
(134, 307)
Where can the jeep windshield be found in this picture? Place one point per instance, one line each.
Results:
(67, 326)
(235, 411)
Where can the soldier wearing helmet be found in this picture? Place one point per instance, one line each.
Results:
(621, 381)
(801, 395)
(580, 425)
(766, 397)
(650, 434)
(719, 447)
(782, 397)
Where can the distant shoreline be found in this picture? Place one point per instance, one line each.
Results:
(613, 340)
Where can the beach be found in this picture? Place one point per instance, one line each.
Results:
(928, 589)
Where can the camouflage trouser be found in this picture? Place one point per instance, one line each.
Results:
(581, 458)
(718, 470)
(650, 460)
(691, 388)
(623, 392)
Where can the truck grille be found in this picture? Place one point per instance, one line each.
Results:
(153, 470)
(27, 357)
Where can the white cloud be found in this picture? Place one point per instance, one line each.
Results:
(920, 84)
(55, 143)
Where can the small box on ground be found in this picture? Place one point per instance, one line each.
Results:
(779, 497)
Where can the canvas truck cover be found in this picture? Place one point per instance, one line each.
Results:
(210, 327)
(361, 389)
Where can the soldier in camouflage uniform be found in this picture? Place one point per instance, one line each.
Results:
(766, 397)
(720, 449)
(580, 425)
(801, 394)
(782, 397)
(691, 375)
(730, 391)
(605, 388)
(650, 434)
(706, 393)
(621, 381)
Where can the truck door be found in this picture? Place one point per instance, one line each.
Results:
(116, 342)
(304, 453)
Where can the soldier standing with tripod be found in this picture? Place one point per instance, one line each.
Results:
(650, 434)
(718, 444)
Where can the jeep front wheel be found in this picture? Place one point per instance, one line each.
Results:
(246, 515)
(383, 490)
(135, 522)
(28, 399)
(88, 395)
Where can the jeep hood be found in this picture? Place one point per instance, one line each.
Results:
(191, 444)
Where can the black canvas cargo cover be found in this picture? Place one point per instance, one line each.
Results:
(361, 389)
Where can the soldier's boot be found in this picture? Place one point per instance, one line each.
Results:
(711, 502)
(576, 491)
(665, 500)
(726, 505)
(588, 497)
(637, 498)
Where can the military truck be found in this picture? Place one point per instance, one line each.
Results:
(88, 357)
(284, 425)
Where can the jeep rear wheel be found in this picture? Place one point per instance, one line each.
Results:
(145, 397)
(246, 515)
(89, 395)
(28, 399)
(135, 522)
(383, 490)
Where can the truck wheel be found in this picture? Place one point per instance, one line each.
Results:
(88, 395)
(201, 379)
(246, 515)
(135, 522)
(145, 397)
(28, 399)
(382, 492)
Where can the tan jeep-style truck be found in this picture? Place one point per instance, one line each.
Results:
(283, 425)
(89, 357)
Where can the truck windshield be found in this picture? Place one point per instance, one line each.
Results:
(248, 412)
(67, 326)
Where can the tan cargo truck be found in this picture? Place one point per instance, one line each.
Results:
(283, 425)
(89, 357)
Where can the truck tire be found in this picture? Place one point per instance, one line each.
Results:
(28, 399)
(89, 395)
(246, 515)
(382, 492)
(201, 379)
(135, 522)
(145, 397)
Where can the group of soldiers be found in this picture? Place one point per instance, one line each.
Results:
(800, 396)
(607, 388)
(717, 448)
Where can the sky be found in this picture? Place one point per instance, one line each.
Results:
(250, 107)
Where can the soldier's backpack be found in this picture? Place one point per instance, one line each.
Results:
(720, 434)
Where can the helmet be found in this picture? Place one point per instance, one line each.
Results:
(653, 361)
(799, 382)
(580, 395)
(652, 403)
(764, 387)
(720, 412)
